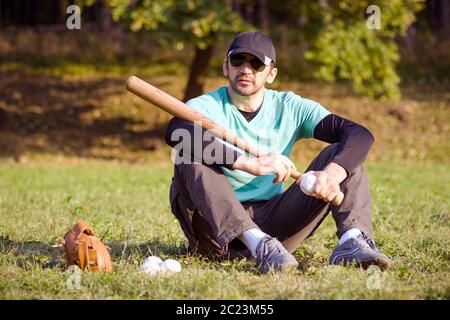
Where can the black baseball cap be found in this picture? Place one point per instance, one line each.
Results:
(255, 43)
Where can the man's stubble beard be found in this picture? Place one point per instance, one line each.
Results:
(234, 86)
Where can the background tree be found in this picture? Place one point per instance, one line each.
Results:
(200, 23)
(341, 46)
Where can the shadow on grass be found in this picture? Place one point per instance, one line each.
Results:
(51, 115)
(137, 252)
(36, 254)
(32, 255)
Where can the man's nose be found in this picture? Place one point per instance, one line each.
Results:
(246, 67)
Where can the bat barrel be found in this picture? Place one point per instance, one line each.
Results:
(179, 109)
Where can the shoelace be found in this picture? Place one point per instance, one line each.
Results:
(265, 249)
(370, 242)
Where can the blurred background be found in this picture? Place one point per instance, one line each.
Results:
(62, 93)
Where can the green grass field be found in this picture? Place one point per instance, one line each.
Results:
(127, 205)
(75, 144)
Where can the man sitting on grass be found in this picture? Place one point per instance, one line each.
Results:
(232, 205)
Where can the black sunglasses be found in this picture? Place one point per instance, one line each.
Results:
(237, 60)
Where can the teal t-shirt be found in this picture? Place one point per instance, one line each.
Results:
(283, 119)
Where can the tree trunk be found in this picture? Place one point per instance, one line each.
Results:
(198, 73)
(103, 16)
(444, 17)
(262, 15)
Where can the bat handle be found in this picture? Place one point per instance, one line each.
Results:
(295, 174)
(338, 199)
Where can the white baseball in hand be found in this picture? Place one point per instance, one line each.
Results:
(307, 183)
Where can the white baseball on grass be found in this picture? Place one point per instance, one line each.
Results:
(152, 265)
(170, 266)
(153, 269)
(152, 260)
(307, 183)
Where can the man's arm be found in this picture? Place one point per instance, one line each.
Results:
(354, 144)
(227, 157)
(278, 164)
(354, 140)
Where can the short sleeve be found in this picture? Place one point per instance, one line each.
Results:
(306, 114)
(205, 104)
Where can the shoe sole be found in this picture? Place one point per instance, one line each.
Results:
(282, 268)
(289, 267)
(380, 262)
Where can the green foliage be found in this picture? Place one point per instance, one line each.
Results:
(342, 45)
(348, 49)
(146, 14)
(180, 23)
(357, 54)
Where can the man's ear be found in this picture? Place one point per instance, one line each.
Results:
(272, 75)
(225, 67)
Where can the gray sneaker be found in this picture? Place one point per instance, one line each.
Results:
(362, 251)
(272, 256)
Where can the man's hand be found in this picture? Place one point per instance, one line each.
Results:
(270, 163)
(327, 182)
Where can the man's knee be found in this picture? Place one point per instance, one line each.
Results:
(195, 170)
(330, 151)
(358, 174)
(325, 156)
(188, 167)
(190, 175)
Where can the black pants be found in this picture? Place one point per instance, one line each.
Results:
(212, 217)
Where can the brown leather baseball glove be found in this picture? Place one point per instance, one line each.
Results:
(85, 250)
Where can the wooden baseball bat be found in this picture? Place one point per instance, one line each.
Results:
(181, 110)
